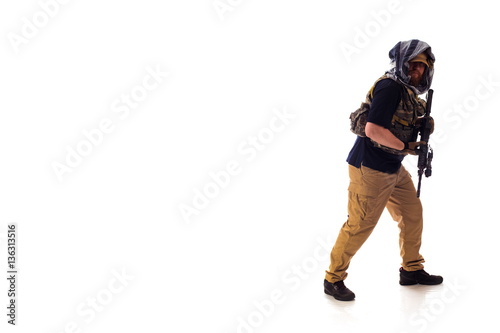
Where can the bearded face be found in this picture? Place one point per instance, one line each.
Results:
(416, 72)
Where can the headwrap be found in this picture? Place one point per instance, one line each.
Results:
(400, 56)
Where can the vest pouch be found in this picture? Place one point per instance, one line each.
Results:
(358, 119)
(403, 132)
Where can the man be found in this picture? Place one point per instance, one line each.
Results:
(377, 178)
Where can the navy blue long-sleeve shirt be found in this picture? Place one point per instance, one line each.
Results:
(386, 97)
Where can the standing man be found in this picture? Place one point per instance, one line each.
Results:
(377, 178)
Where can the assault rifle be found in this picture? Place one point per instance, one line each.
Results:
(424, 151)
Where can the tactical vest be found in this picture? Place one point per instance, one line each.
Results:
(404, 119)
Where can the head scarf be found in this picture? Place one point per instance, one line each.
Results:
(400, 56)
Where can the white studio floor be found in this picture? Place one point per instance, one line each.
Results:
(385, 306)
(381, 305)
(462, 302)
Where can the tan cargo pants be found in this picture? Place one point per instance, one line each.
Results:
(371, 191)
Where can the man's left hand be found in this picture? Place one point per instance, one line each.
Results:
(411, 146)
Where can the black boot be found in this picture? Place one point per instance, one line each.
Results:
(338, 290)
(418, 277)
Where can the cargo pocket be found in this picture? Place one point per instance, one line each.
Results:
(357, 208)
(362, 192)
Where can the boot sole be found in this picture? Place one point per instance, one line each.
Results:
(339, 298)
(408, 283)
(412, 283)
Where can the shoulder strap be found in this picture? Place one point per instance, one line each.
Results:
(370, 93)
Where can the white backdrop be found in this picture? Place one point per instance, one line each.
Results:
(180, 165)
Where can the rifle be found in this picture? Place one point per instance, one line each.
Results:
(424, 151)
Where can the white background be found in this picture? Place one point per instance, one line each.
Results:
(118, 210)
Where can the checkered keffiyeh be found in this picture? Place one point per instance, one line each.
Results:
(400, 55)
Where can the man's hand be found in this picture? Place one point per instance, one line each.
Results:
(410, 147)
